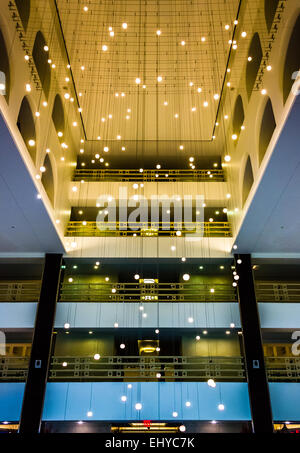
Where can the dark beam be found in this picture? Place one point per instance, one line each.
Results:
(258, 387)
(35, 388)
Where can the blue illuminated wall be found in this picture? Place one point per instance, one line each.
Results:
(17, 315)
(11, 397)
(72, 401)
(279, 315)
(285, 399)
(158, 315)
(219, 314)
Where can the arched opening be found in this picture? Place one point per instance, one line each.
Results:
(48, 180)
(248, 180)
(58, 116)
(292, 61)
(40, 58)
(23, 7)
(4, 69)
(255, 53)
(26, 126)
(270, 10)
(238, 115)
(268, 125)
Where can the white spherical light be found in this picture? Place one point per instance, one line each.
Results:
(186, 277)
(211, 383)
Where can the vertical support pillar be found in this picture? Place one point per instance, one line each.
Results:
(35, 388)
(260, 402)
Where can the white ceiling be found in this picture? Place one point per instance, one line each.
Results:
(25, 226)
(272, 222)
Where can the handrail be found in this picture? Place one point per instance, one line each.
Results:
(143, 368)
(135, 292)
(28, 291)
(146, 368)
(165, 175)
(283, 368)
(100, 229)
(277, 291)
(20, 291)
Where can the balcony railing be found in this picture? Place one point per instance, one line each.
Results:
(283, 368)
(155, 368)
(159, 292)
(13, 368)
(278, 291)
(141, 368)
(100, 229)
(26, 291)
(143, 293)
(148, 175)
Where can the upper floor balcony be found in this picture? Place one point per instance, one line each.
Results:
(28, 291)
(147, 175)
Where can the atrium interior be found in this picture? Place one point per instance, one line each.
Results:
(150, 230)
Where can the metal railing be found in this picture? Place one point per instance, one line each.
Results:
(148, 175)
(277, 291)
(29, 291)
(142, 292)
(99, 229)
(283, 368)
(13, 368)
(141, 368)
(18, 291)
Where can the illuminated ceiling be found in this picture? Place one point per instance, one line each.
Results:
(101, 76)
